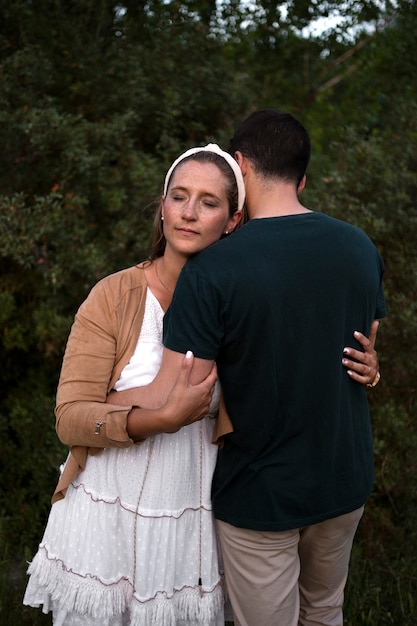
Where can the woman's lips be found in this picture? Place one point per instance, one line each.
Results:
(187, 232)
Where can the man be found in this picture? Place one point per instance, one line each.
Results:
(274, 305)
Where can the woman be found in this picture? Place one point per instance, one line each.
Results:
(132, 541)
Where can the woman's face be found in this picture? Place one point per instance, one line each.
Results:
(196, 208)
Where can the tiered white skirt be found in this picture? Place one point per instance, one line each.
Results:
(133, 542)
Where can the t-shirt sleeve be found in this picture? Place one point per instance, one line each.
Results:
(194, 318)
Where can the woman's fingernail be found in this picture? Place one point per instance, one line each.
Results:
(188, 354)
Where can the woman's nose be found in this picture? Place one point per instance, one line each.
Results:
(190, 209)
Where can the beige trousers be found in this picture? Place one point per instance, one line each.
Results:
(291, 578)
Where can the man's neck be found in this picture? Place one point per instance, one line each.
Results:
(280, 201)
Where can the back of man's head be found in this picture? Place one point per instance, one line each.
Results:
(276, 143)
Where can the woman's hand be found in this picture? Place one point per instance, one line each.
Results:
(363, 366)
(189, 403)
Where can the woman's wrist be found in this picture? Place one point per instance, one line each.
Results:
(143, 423)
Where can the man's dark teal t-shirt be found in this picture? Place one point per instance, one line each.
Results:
(274, 304)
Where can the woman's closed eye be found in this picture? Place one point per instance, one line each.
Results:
(210, 203)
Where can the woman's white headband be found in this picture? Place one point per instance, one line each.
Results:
(213, 147)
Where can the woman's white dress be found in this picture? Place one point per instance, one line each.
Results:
(133, 541)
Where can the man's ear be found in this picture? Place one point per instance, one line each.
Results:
(241, 161)
(234, 221)
(301, 184)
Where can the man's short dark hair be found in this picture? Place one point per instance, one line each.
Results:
(276, 143)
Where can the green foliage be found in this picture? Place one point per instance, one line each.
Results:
(96, 99)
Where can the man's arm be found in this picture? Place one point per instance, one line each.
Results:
(185, 403)
(171, 362)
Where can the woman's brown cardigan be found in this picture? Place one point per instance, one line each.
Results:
(102, 340)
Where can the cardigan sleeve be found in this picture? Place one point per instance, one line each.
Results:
(89, 371)
(74, 464)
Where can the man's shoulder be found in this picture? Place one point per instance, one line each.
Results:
(341, 226)
(215, 254)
